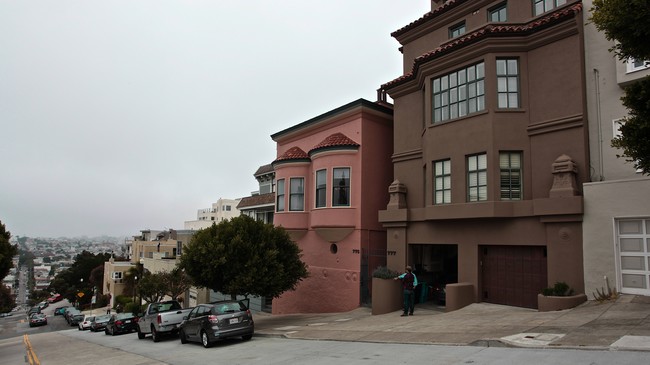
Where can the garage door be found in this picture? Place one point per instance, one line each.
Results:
(513, 275)
(633, 239)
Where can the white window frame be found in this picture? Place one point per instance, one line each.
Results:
(335, 190)
(474, 184)
(298, 193)
(630, 67)
(442, 181)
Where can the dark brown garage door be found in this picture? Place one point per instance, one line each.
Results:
(513, 275)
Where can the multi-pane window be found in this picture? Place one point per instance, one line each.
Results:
(457, 30)
(508, 83)
(542, 6)
(498, 13)
(341, 187)
(442, 182)
(296, 194)
(477, 178)
(279, 204)
(459, 93)
(636, 65)
(510, 175)
(321, 188)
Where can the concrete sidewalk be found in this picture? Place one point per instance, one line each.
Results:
(620, 325)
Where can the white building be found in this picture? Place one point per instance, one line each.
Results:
(616, 227)
(223, 209)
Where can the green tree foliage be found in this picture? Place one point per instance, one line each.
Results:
(77, 279)
(243, 256)
(636, 129)
(176, 282)
(7, 251)
(152, 287)
(626, 23)
(7, 301)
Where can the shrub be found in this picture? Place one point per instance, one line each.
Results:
(560, 289)
(384, 272)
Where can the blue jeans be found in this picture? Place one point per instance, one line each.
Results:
(409, 301)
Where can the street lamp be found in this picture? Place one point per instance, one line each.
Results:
(135, 284)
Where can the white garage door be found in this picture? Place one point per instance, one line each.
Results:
(633, 251)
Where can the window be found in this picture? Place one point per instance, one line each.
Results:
(459, 93)
(636, 65)
(297, 194)
(442, 182)
(510, 170)
(341, 187)
(508, 83)
(279, 204)
(542, 6)
(498, 13)
(457, 30)
(477, 178)
(227, 208)
(321, 188)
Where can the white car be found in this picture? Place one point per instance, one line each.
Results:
(85, 324)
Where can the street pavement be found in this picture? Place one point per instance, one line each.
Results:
(623, 324)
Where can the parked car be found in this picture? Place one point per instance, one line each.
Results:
(37, 319)
(85, 324)
(55, 298)
(121, 323)
(33, 310)
(44, 304)
(160, 319)
(69, 312)
(99, 322)
(75, 319)
(59, 311)
(208, 323)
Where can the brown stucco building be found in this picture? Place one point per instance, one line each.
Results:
(490, 148)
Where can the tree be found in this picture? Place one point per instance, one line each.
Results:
(77, 279)
(626, 23)
(7, 300)
(243, 256)
(176, 282)
(152, 287)
(7, 252)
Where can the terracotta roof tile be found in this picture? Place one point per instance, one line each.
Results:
(489, 30)
(450, 4)
(293, 153)
(333, 141)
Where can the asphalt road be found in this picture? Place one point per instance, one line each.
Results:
(71, 346)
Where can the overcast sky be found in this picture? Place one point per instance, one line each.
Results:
(118, 116)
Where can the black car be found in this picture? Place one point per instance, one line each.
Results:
(75, 318)
(99, 323)
(208, 323)
(121, 323)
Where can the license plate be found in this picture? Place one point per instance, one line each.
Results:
(234, 320)
(127, 321)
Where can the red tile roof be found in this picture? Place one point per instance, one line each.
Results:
(489, 30)
(430, 15)
(264, 169)
(293, 153)
(334, 141)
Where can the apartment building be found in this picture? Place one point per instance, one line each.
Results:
(490, 148)
(616, 227)
(222, 209)
(331, 174)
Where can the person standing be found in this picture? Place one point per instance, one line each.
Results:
(409, 283)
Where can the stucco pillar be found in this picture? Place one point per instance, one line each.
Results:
(395, 220)
(564, 178)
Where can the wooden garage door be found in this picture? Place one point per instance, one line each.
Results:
(513, 275)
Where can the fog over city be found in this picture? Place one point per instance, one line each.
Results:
(118, 116)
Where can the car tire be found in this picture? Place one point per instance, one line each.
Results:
(106, 331)
(141, 335)
(246, 337)
(155, 336)
(205, 340)
(181, 334)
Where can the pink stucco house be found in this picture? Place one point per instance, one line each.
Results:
(332, 173)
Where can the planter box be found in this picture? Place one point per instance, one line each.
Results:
(551, 303)
(387, 296)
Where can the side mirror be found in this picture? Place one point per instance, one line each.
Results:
(185, 318)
